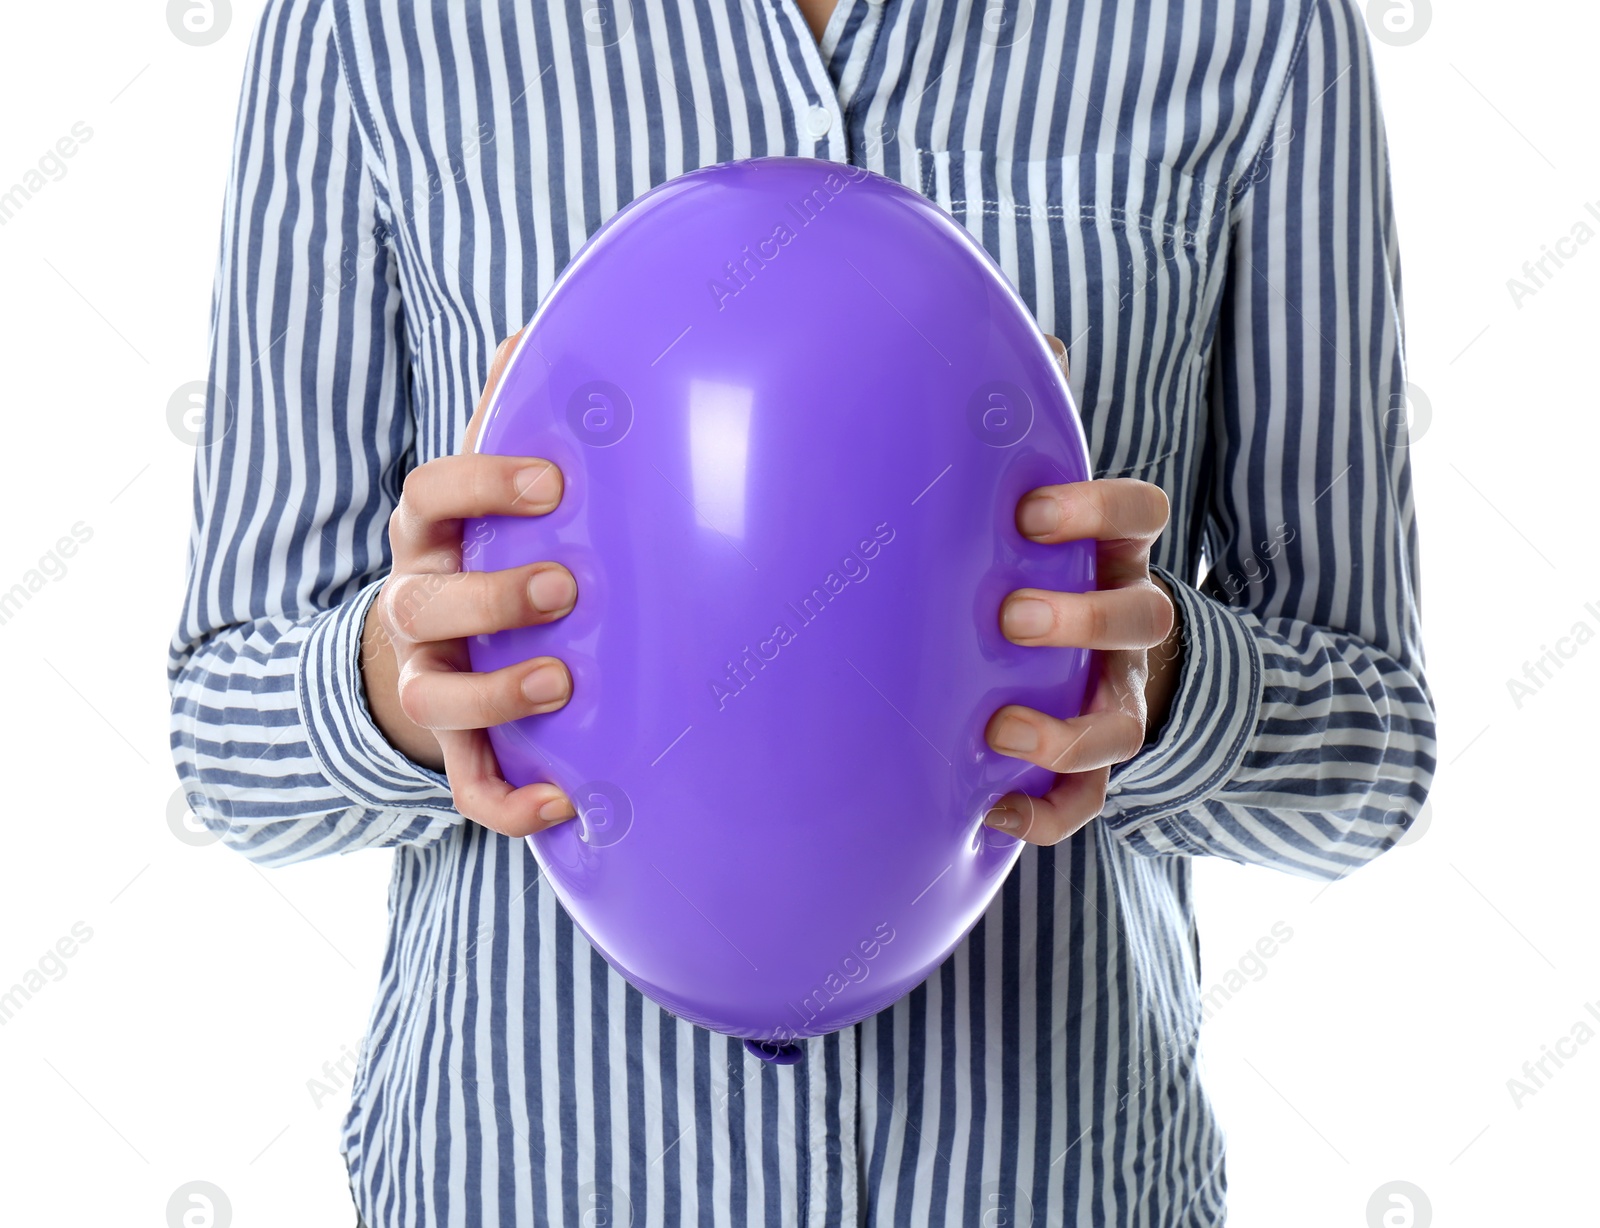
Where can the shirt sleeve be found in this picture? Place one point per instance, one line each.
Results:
(308, 428)
(1302, 732)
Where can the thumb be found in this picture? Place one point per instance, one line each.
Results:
(497, 367)
(1059, 349)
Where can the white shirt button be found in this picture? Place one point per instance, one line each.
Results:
(818, 120)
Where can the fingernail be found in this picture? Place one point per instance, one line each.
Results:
(538, 484)
(554, 809)
(1039, 516)
(1026, 618)
(1005, 820)
(544, 685)
(1016, 736)
(551, 590)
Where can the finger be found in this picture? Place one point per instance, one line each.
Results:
(455, 487)
(1121, 563)
(1062, 812)
(440, 494)
(425, 606)
(1173, 650)
(1119, 682)
(1139, 616)
(1077, 744)
(1058, 347)
(437, 694)
(1106, 509)
(497, 367)
(481, 794)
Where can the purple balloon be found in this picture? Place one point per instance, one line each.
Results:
(796, 405)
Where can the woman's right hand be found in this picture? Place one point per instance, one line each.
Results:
(420, 686)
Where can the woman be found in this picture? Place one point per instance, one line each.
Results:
(1194, 196)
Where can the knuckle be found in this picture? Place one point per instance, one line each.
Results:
(477, 709)
(1096, 619)
(1163, 506)
(383, 607)
(1151, 613)
(518, 827)
(1130, 743)
(1163, 616)
(403, 608)
(484, 484)
(1112, 514)
(464, 797)
(1157, 507)
(1088, 503)
(1068, 757)
(1065, 744)
(1051, 826)
(478, 596)
(413, 494)
(1129, 509)
(411, 691)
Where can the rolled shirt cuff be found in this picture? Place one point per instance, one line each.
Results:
(1214, 711)
(353, 752)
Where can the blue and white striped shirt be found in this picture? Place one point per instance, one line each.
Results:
(1194, 194)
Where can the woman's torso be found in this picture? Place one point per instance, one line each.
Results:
(1045, 1073)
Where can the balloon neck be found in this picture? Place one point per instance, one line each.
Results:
(776, 1052)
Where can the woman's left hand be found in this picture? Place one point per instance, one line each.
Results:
(1130, 622)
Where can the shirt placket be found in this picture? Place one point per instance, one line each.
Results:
(827, 82)
(821, 91)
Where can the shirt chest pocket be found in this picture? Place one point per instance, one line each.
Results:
(1116, 255)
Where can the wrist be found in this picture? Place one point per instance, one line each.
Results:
(380, 679)
(1164, 668)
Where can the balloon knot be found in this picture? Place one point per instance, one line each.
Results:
(776, 1052)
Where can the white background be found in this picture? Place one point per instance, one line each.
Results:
(1377, 1043)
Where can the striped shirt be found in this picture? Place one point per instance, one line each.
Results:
(1193, 194)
